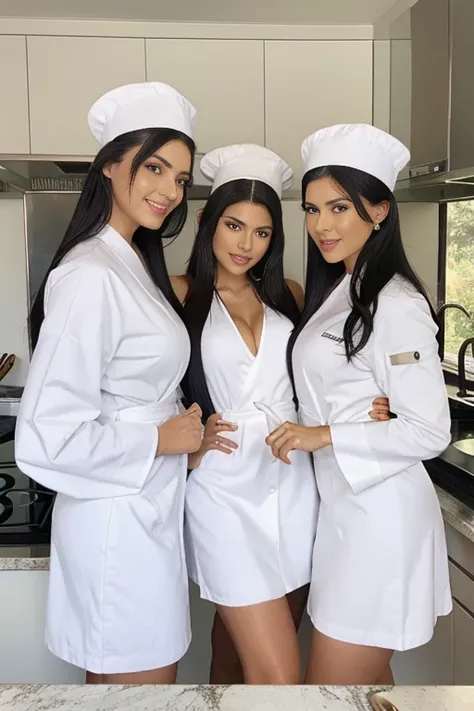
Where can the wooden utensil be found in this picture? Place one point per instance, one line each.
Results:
(6, 365)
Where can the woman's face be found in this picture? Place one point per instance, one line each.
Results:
(157, 189)
(334, 224)
(242, 237)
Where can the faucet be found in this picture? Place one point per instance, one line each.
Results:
(462, 366)
(440, 313)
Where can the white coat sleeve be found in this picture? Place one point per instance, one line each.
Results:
(407, 369)
(59, 441)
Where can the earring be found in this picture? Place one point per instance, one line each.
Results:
(376, 226)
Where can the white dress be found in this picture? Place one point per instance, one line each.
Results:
(380, 569)
(105, 372)
(250, 520)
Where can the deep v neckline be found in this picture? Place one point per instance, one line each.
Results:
(236, 329)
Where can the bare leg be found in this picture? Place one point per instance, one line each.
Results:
(225, 663)
(386, 678)
(264, 636)
(332, 662)
(165, 675)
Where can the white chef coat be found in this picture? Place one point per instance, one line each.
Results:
(105, 372)
(380, 569)
(250, 520)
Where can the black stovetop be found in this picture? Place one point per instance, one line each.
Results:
(7, 429)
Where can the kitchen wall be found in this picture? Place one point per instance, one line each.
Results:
(419, 225)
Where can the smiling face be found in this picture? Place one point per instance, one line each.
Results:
(157, 189)
(242, 237)
(334, 224)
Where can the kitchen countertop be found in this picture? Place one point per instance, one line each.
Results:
(231, 698)
(455, 513)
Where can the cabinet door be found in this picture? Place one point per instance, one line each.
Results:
(431, 664)
(309, 85)
(14, 129)
(223, 79)
(66, 75)
(463, 646)
(24, 657)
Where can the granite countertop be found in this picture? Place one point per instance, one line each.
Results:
(455, 513)
(232, 698)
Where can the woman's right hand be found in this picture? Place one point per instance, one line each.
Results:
(212, 439)
(181, 434)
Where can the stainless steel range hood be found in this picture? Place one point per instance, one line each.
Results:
(66, 175)
(442, 95)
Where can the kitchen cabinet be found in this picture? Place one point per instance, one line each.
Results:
(463, 650)
(309, 85)
(66, 75)
(24, 657)
(431, 664)
(14, 128)
(224, 79)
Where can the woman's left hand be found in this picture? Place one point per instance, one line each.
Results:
(291, 436)
(380, 410)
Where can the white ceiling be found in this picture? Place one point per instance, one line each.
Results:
(293, 12)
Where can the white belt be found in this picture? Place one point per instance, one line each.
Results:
(275, 414)
(155, 413)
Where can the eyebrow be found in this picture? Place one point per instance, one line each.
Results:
(329, 202)
(168, 164)
(239, 222)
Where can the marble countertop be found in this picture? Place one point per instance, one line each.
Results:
(457, 514)
(233, 698)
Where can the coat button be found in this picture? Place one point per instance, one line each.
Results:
(416, 355)
(273, 490)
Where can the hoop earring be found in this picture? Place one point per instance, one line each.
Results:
(376, 226)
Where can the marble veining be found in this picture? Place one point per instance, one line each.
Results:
(229, 698)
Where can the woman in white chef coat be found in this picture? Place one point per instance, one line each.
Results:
(380, 571)
(250, 521)
(99, 421)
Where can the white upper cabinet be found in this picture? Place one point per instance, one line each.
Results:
(309, 85)
(14, 129)
(224, 79)
(66, 75)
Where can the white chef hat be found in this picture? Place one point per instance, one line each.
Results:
(248, 161)
(136, 106)
(356, 145)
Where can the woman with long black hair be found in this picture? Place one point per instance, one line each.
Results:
(99, 421)
(380, 573)
(250, 520)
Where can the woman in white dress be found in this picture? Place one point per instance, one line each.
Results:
(250, 520)
(380, 571)
(99, 421)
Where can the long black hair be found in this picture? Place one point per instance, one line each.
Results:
(266, 277)
(380, 259)
(94, 209)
